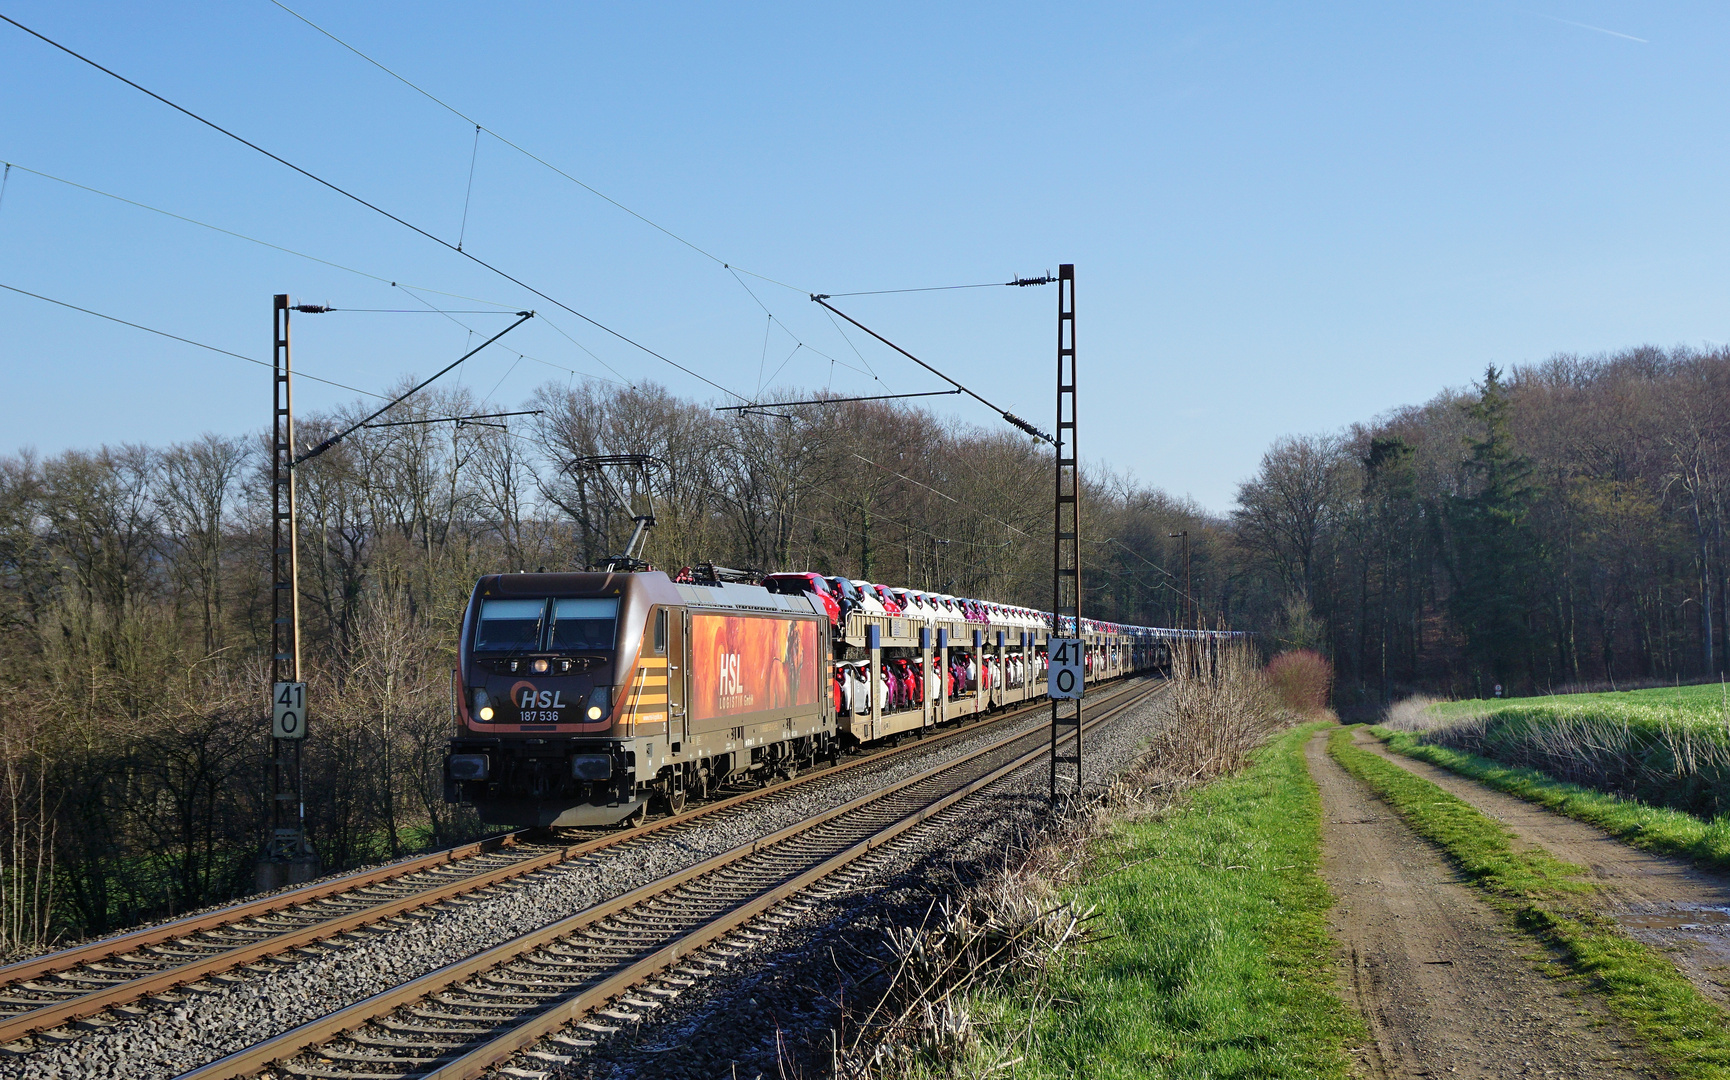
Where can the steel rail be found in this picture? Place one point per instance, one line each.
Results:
(104, 948)
(543, 1020)
(51, 1014)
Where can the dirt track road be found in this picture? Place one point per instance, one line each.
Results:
(1447, 991)
(1662, 901)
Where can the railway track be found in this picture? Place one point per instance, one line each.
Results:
(609, 964)
(53, 996)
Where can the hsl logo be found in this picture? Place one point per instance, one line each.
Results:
(540, 699)
(730, 683)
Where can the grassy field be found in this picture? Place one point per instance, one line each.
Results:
(1214, 958)
(1695, 703)
(1641, 986)
(1667, 747)
(1653, 828)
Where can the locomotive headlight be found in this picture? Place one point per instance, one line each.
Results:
(540, 667)
(486, 712)
(600, 702)
(483, 705)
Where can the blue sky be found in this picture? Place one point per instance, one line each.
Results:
(1284, 218)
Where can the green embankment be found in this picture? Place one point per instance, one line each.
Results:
(1215, 956)
(1682, 1029)
(1668, 747)
(1705, 701)
(1653, 828)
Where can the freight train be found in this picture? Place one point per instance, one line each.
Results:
(582, 698)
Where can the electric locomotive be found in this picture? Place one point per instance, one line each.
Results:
(581, 697)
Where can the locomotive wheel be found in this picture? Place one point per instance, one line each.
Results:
(635, 817)
(675, 801)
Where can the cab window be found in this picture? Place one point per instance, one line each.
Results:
(587, 624)
(661, 631)
(509, 625)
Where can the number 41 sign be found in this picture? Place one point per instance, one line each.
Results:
(1065, 677)
(288, 721)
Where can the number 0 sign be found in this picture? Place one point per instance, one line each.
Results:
(1066, 671)
(289, 717)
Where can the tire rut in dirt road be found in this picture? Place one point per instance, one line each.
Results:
(1446, 989)
(1659, 900)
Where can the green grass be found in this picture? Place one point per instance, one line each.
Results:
(1682, 1029)
(1217, 959)
(1704, 702)
(1651, 828)
(1668, 747)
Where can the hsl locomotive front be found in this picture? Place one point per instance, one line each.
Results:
(539, 664)
(572, 689)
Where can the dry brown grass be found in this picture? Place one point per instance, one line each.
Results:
(1414, 714)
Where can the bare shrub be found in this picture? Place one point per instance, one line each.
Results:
(1222, 707)
(1302, 679)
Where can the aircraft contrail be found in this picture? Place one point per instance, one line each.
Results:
(1589, 26)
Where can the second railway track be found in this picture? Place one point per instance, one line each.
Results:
(469, 1016)
(46, 994)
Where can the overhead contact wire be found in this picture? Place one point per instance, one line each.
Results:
(454, 111)
(505, 308)
(177, 337)
(788, 331)
(413, 291)
(431, 309)
(522, 317)
(479, 127)
(373, 207)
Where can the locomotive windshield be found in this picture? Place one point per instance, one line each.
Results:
(575, 625)
(509, 625)
(585, 624)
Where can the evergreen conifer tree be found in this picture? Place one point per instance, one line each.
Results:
(1496, 554)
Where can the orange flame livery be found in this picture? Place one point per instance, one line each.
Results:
(744, 663)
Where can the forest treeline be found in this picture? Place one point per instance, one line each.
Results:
(1557, 524)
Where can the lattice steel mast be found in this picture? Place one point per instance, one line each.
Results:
(287, 846)
(1066, 543)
